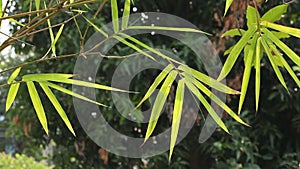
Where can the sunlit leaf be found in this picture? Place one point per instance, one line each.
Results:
(69, 92)
(178, 104)
(272, 61)
(280, 35)
(159, 103)
(12, 93)
(291, 31)
(126, 14)
(228, 50)
(275, 13)
(51, 33)
(257, 72)
(156, 82)
(290, 53)
(228, 3)
(57, 106)
(234, 32)
(115, 15)
(37, 4)
(235, 53)
(37, 104)
(96, 27)
(59, 33)
(46, 77)
(251, 16)
(14, 75)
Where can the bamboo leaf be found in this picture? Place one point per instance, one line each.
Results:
(59, 33)
(37, 4)
(275, 13)
(228, 3)
(96, 27)
(290, 53)
(159, 103)
(291, 31)
(208, 80)
(14, 75)
(57, 106)
(162, 28)
(12, 93)
(272, 61)
(235, 53)
(37, 104)
(156, 82)
(176, 115)
(207, 106)
(46, 77)
(280, 35)
(228, 50)
(51, 33)
(234, 32)
(69, 92)
(251, 16)
(126, 14)
(257, 72)
(115, 15)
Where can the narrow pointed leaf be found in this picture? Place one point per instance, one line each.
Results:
(126, 14)
(272, 61)
(12, 93)
(59, 33)
(275, 13)
(96, 27)
(251, 16)
(257, 72)
(208, 80)
(234, 32)
(51, 33)
(156, 82)
(228, 3)
(228, 50)
(207, 106)
(159, 103)
(14, 75)
(115, 15)
(69, 92)
(280, 35)
(290, 53)
(176, 115)
(57, 106)
(235, 53)
(37, 4)
(291, 31)
(46, 77)
(37, 104)
(163, 28)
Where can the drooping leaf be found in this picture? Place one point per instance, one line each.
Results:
(37, 104)
(178, 104)
(159, 103)
(57, 106)
(96, 27)
(162, 28)
(115, 15)
(275, 13)
(156, 82)
(126, 14)
(14, 75)
(12, 93)
(291, 31)
(208, 80)
(235, 53)
(228, 4)
(290, 53)
(234, 32)
(251, 16)
(257, 72)
(69, 92)
(272, 61)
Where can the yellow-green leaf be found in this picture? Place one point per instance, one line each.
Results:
(115, 15)
(275, 13)
(96, 27)
(126, 14)
(251, 16)
(228, 3)
(234, 32)
(12, 93)
(162, 28)
(14, 75)
(178, 104)
(37, 104)
(37, 4)
(156, 82)
(57, 106)
(58, 33)
(46, 77)
(257, 72)
(159, 103)
(291, 31)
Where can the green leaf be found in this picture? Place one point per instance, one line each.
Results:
(207, 106)
(234, 32)
(37, 4)
(272, 61)
(156, 82)
(176, 115)
(208, 80)
(96, 27)
(14, 75)
(51, 33)
(214, 98)
(247, 72)
(15, 21)
(280, 35)
(37, 104)
(290, 53)
(228, 3)
(291, 31)
(162, 28)
(12, 93)
(257, 72)
(251, 16)
(228, 50)
(46, 77)
(69, 92)
(57, 106)
(126, 14)
(275, 13)
(58, 33)
(159, 103)
(235, 53)
(115, 15)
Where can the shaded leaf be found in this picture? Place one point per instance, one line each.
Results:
(96, 27)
